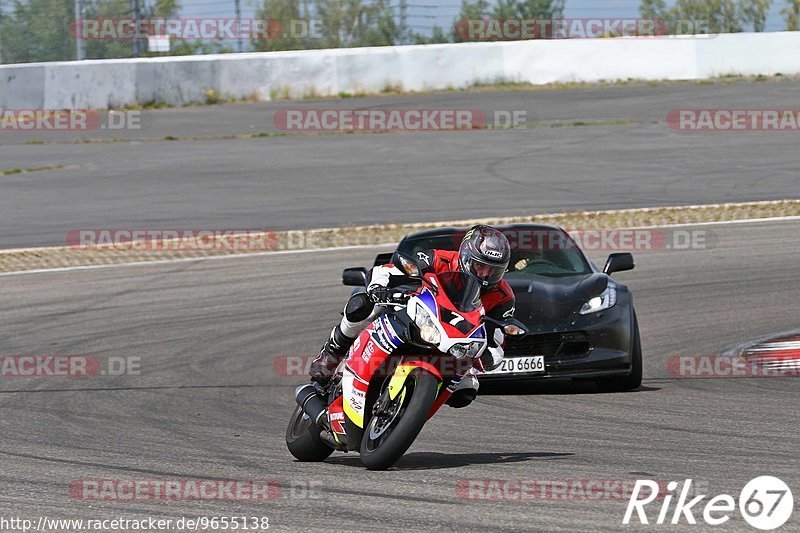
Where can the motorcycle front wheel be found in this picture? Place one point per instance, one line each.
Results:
(390, 433)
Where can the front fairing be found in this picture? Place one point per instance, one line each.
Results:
(453, 327)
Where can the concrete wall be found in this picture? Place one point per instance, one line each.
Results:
(182, 80)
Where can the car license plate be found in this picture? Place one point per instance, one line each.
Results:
(532, 364)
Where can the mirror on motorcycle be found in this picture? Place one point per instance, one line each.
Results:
(407, 264)
(511, 326)
(354, 277)
(516, 329)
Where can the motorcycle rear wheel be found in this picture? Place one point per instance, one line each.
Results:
(303, 440)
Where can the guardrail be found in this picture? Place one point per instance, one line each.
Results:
(98, 84)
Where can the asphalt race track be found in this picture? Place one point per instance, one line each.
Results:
(628, 158)
(209, 403)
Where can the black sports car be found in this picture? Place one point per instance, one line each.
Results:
(582, 323)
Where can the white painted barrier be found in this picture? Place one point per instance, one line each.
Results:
(186, 79)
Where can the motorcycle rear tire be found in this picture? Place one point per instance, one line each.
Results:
(303, 440)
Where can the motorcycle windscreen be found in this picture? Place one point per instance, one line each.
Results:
(462, 290)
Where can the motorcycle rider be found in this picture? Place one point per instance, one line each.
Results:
(484, 254)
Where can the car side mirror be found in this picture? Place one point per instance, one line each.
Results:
(619, 262)
(354, 277)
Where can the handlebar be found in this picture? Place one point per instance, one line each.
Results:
(397, 299)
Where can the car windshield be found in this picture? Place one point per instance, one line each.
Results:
(534, 252)
(462, 290)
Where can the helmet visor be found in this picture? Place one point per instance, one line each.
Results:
(485, 273)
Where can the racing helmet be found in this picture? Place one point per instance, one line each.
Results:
(484, 254)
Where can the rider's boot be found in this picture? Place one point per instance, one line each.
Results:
(331, 354)
(466, 391)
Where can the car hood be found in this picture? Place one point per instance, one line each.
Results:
(544, 300)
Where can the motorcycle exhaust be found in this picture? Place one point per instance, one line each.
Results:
(310, 402)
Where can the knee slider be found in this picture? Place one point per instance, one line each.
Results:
(358, 308)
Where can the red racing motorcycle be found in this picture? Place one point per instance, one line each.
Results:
(398, 373)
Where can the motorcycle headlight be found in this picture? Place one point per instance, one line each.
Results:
(427, 328)
(606, 300)
(460, 351)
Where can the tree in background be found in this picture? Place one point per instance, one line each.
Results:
(121, 9)
(348, 23)
(381, 27)
(708, 16)
(43, 30)
(438, 36)
(37, 30)
(107, 49)
(328, 24)
(474, 9)
(506, 9)
(541, 9)
(527, 9)
(791, 14)
(755, 12)
(470, 10)
(283, 11)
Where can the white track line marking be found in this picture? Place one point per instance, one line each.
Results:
(342, 248)
(190, 259)
(721, 222)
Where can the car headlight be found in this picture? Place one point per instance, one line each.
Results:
(459, 351)
(606, 300)
(427, 328)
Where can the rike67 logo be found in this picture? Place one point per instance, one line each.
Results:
(765, 503)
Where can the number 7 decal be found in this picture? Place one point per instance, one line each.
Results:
(456, 319)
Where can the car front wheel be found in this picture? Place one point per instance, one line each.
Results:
(633, 380)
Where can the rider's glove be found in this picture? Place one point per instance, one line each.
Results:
(379, 294)
(498, 338)
(489, 359)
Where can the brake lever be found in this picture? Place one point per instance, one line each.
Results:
(397, 299)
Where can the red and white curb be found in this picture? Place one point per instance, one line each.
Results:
(779, 353)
